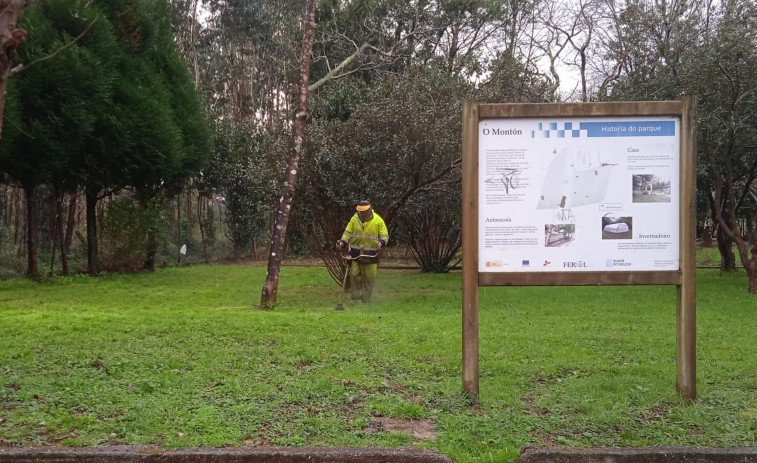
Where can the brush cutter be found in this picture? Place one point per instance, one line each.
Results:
(346, 281)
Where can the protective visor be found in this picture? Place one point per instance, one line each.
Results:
(363, 208)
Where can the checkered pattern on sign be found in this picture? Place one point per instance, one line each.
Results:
(558, 130)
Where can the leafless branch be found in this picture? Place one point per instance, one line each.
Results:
(21, 67)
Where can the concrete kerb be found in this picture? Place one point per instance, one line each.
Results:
(641, 455)
(131, 454)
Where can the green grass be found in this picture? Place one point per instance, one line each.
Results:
(659, 197)
(710, 257)
(182, 358)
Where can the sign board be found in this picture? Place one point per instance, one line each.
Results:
(580, 194)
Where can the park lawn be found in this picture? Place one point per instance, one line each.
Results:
(182, 358)
(639, 197)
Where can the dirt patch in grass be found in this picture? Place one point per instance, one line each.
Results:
(15, 387)
(546, 440)
(419, 429)
(540, 380)
(652, 415)
(531, 408)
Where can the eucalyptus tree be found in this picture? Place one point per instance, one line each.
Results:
(245, 56)
(299, 126)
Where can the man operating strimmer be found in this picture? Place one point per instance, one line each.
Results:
(364, 236)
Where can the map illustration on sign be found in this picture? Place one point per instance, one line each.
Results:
(575, 177)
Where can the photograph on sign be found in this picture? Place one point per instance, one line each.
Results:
(579, 194)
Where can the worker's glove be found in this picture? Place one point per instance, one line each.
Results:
(340, 244)
(378, 245)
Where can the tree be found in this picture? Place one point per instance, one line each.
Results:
(54, 104)
(107, 104)
(281, 220)
(153, 134)
(728, 134)
(382, 151)
(709, 51)
(177, 158)
(243, 170)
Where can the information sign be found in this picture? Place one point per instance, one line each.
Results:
(578, 194)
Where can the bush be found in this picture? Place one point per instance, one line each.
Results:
(12, 264)
(127, 227)
(434, 240)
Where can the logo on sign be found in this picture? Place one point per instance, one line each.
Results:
(526, 263)
(618, 263)
(576, 264)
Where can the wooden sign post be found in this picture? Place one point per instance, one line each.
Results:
(517, 160)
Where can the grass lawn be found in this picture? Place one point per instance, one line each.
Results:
(181, 358)
(659, 197)
(617, 236)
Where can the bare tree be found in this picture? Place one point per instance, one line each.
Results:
(576, 23)
(548, 41)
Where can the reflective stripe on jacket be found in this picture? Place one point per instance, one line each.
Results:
(362, 236)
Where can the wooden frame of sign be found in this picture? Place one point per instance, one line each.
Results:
(683, 279)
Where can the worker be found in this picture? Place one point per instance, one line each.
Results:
(364, 236)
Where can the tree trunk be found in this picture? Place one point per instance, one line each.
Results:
(17, 221)
(32, 269)
(22, 244)
(189, 212)
(10, 39)
(707, 237)
(71, 221)
(178, 227)
(271, 286)
(151, 251)
(55, 247)
(93, 264)
(200, 218)
(3, 212)
(53, 228)
(727, 256)
(60, 237)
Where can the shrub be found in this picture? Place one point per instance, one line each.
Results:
(127, 227)
(434, 240)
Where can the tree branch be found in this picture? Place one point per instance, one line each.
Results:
(18, 69)
(333, 73)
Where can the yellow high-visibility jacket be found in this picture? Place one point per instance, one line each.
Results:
(362, 237)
